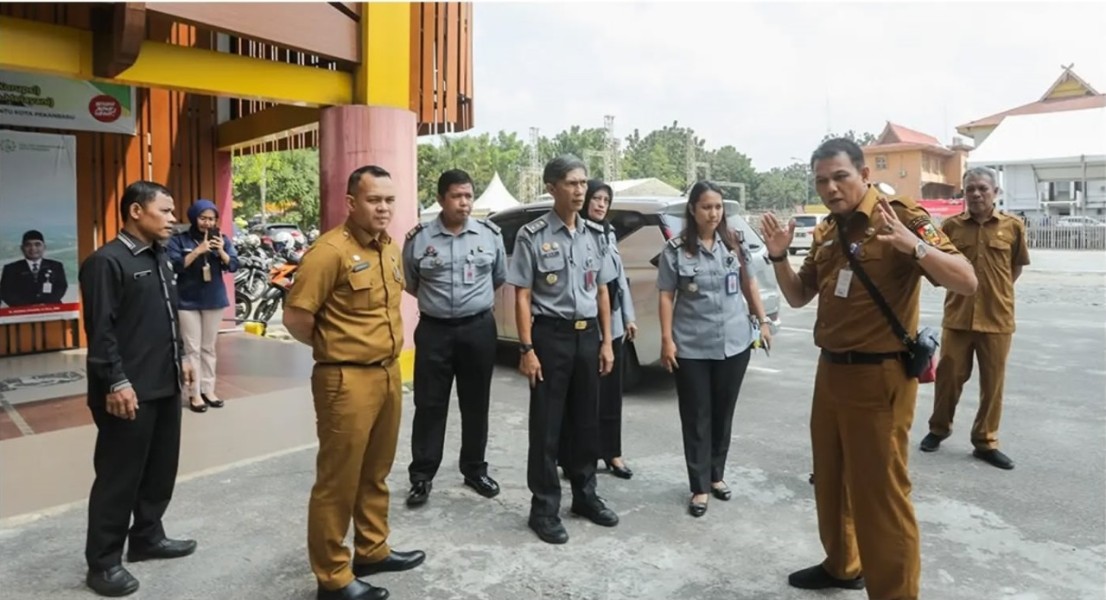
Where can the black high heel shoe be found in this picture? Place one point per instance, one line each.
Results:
(199, 409)
(696, 509)
(622, 472)
(210, 402)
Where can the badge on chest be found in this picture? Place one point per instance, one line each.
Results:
(732, 284)
(844, 280)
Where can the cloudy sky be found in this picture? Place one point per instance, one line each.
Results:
(771, 77)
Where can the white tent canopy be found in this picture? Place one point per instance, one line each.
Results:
(494, 199)
(1070, 137)
(646, 187)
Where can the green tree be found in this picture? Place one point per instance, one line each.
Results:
(585, 144)
(663, 154)
(782, 188)
(291, 184)
(863, 139)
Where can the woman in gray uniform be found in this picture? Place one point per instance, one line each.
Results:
(710, 314)
(597, 204)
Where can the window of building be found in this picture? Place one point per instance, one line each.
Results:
(881, 163)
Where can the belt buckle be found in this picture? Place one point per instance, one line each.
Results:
(580, 325)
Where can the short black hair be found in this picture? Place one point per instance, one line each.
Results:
(359, 172)
(141, 193)
(451, 178)
(834, 146)
(558, 168)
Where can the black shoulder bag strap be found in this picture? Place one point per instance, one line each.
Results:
(896, 325)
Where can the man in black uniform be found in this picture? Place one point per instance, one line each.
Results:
(453, 264)
(34, 279)
(560, 271)
(135, 374)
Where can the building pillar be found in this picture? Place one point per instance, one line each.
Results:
(224, 203)
(359, 135)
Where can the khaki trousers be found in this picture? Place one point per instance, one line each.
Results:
(859, 428)
(357, 417)
(954, 370)
(199, 329)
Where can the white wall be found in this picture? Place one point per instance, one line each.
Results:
(1019, 185)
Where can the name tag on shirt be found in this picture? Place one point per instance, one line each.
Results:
(207, 272)
(469, 274)
(589, 280)
(47, 287)
(731, 283)
(142, 274)
(844, 279)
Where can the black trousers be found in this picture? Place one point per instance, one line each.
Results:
(136, 469)
(610, 405)
(564, 413)
(465, 350)
(707, 392)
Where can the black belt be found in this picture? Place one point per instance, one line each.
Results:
(859, 358)
(578, 325)
(454, 322)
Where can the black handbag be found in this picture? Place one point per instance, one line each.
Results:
(921, 349)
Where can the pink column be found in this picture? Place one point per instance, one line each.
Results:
(354, 136)
(224, 202)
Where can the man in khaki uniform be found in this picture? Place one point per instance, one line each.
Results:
(863, 399)
(345, 304)
(981, 325)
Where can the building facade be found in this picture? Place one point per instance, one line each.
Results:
(915, 163)
(209, 80)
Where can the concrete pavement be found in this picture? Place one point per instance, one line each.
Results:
(1035, 533)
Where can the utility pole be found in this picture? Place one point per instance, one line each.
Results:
(529, 180)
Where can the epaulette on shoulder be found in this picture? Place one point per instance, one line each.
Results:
(675, 242)
(414, 231)
(536, 225)
(596, 227)
(489, 224)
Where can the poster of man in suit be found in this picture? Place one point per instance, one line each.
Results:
(38, 227)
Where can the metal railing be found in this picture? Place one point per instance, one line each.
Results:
(1055, 237)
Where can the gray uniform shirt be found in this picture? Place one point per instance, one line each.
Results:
(563, 268)
(454, 275)
(710, 318)
(625, 314)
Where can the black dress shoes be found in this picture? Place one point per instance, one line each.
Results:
(210, 402)
(166, 548)
(721, 492)
(549, 529)
(200, 408)
(395, 561)
(484, 485)
(419, 494)
(696, 509)
(931, 442)
(595, 511)
(622, 472)
(994, 457)
(357, 590)
(817, 578)
(113, 582)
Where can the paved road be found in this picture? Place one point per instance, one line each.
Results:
(1035, 533)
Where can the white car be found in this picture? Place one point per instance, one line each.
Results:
(804, 231)
(642, 225)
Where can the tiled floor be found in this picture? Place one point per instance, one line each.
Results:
(48, 429)
(45, 392)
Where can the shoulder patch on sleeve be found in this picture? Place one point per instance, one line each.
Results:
(414, 231)
(924, 228)
(536, 225)
(593, 225)
(675, 243)
(490, 225)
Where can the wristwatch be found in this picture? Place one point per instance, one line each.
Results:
(920, 250)
(779, 258)
(524, 348)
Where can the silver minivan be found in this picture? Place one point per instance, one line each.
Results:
(642, 225)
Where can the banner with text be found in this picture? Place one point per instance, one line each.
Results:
(50, 102)
(38, 227)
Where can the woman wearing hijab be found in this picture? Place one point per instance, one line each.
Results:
(597, 204)
(200, 257)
